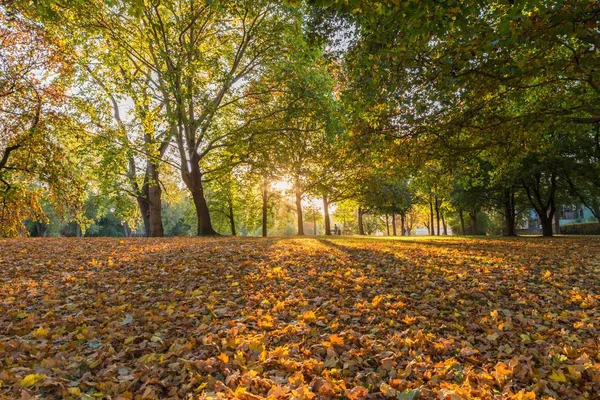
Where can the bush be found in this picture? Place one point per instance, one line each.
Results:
(588, 228)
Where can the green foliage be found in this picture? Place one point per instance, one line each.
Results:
(590, 228)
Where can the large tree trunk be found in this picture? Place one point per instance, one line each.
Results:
(546, 226)
(510, 214)
(393, 224)
(144, 207)
(202, 213)
(462, 221)
(545, 209)
(299, 210)
(556, 222)
(361, 227)
(326, 215)
(265, 204)
(437, 215)
(193, 181)
(231, 217)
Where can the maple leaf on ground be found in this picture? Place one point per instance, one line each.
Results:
(344, 317)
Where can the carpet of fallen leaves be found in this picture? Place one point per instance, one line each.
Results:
(300, 318)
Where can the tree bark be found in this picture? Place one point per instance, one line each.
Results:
(556, 222)
(231, 217)
(361, 227)
(462, 221)
(473, 215)
(437, 215)
(202, 213)
(431, 231)
(193, 181)
(510, 214)
(144, 207)
(327, 220)
(154, 193)
(265, 200)
(393, 224)
(387, 224)
(444, 225)
(299, 210)
(545, 209)
(402, 221)
(126, 229)
(546, 226)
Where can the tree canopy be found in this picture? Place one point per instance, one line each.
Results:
(227, 117)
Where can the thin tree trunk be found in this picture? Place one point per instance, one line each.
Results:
(387, 224)
(509, 212)
(393, 224)
(154, 192)
(402, 221)
(462, 221)
(556, 222)
(473, 215)
(327, 220)
(299, 210)
(431, 232)
(231, 217)
(126, 230)
(265, 200)
(437, 215)
(444, 225)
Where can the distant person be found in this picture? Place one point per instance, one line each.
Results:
(335, 229)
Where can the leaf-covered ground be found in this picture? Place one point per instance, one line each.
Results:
(300, 318)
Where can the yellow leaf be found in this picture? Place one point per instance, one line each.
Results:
(377, 301)
(75, 391)
(31, 380)
(266, 322)
(308, 316)
(223, 357)
(336, 340)
(558, 376)
(525, 395)
(40, 333)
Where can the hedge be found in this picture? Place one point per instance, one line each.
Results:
(588, 228)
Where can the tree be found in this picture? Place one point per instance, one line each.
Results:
(37, 142)
(203, 57)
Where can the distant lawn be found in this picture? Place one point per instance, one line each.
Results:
(300, 318)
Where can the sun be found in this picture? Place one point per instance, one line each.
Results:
(282, 185)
